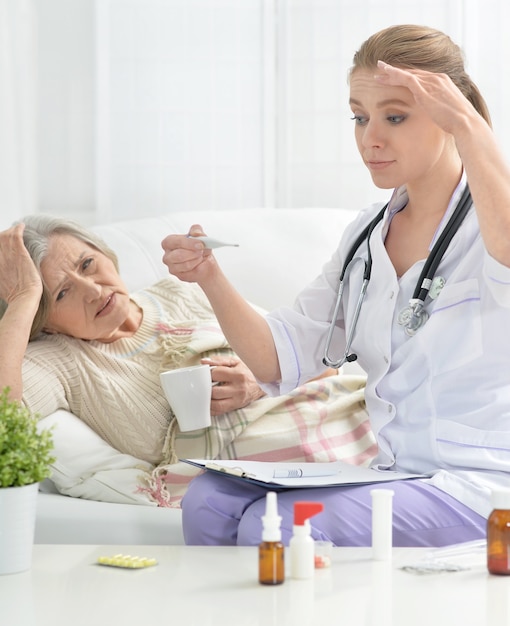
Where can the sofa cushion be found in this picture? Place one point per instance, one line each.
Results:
(64, 520)
(87, 467)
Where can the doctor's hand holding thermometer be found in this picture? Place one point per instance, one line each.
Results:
(189, 260)
(418, 290)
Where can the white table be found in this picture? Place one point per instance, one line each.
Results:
(199, 586)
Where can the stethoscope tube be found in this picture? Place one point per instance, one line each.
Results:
(414, 316)
(436, 254)
(347, 356)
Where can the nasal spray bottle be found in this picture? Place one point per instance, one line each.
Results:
(302, 557)
(271, 552)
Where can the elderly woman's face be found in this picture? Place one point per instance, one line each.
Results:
(88, 298)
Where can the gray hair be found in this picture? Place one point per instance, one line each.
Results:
(39, 229)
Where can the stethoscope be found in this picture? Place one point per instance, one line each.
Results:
(414, 315)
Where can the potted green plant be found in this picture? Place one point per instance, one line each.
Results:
(25, 460)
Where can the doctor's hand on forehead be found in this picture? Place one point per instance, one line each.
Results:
(435, 93)
(187, 257)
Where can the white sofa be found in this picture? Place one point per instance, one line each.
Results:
(279, 251)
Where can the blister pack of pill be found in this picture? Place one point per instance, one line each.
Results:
(127, 561)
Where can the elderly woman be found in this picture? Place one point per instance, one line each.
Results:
(72, 337)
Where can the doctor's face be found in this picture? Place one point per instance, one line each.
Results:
(397, 141)
(88, 298)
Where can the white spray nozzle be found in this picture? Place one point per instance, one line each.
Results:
(271, 520)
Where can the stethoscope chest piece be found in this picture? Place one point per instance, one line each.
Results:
(413, 317)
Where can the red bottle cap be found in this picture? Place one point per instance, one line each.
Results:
(304, 510)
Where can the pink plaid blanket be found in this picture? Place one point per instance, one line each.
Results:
(322, 420)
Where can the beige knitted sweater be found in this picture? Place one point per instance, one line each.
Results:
(114, 387)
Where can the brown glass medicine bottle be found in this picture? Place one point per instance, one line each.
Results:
(498, 533)
(271, 551)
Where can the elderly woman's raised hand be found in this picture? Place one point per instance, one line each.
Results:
(19, 278)
(21, 288)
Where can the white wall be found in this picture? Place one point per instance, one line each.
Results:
(18, 110)
(179, 105)
(149, 106)
(66, 141)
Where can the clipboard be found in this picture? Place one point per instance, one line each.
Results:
(279, 476)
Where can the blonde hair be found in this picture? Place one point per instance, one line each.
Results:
(410, 46)
(38, 231)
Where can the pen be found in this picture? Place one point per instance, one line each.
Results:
(235, 471)
(313, 471)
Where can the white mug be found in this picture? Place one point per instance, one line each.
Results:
(188, 391)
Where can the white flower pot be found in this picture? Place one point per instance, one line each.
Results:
(17, 526)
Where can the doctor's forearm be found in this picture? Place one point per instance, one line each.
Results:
(488, 177)
(246, 330)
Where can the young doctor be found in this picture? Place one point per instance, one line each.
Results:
(432, 329)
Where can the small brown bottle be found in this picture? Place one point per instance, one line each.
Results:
(271, 551)
(498, 533)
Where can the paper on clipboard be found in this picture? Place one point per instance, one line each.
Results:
(302, 475)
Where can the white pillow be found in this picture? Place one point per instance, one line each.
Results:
(87, 467)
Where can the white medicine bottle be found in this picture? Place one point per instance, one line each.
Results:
(301, 545)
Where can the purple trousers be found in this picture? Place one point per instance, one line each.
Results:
(221, 511)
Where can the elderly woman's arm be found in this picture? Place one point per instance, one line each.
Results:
(20, 289)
